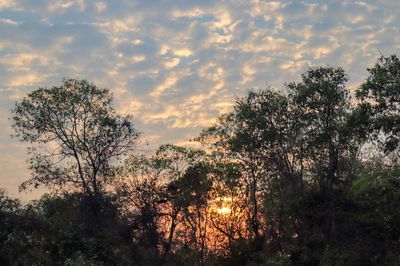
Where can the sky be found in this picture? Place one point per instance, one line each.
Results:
(177, 65)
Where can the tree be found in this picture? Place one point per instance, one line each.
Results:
(142, 194)
(52, 231)
(324, 107)
(380, 96)
(259, 136)
(285, 145)
(75, 135)
(376, 195)
(167, 196)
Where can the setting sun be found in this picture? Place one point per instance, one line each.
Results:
(222, 205)
(224, 210)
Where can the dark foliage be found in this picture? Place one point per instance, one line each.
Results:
(310, 177)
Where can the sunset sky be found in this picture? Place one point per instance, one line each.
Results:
(177, 65)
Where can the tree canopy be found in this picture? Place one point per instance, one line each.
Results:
(304, 176)
(75, 135)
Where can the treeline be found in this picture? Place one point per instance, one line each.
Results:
(306, 176)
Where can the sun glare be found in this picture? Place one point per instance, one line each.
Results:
(224, 210)
(221, 205)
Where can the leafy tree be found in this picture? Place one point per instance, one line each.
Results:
(142, 194)
(166, 194)
(190, 193)
(380, 95)
(376, 217)
(255, 136)
(323, 104)
(7, 204)
(54, 231)
(286, 146)
(75, 135)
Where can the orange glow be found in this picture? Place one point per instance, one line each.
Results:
(226, 222)
(224, 210)
(221, 205)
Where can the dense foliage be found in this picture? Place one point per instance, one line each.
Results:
(310, 176)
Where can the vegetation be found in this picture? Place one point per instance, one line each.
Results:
(309, 176)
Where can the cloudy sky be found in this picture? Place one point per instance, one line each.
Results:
(177, 65)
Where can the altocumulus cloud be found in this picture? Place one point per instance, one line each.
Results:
(177, 65)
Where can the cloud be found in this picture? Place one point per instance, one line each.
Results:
(171, 62)
(9, 22)
(101, 6)
(25, 80)
(177, 65)
(182, 52)
(7, 4)
(62, 5)
(22, 60)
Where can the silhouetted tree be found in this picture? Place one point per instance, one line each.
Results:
(286, 178)
(380, 95)
(75, 135)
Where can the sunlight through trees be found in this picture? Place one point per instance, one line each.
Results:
(305, 177)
